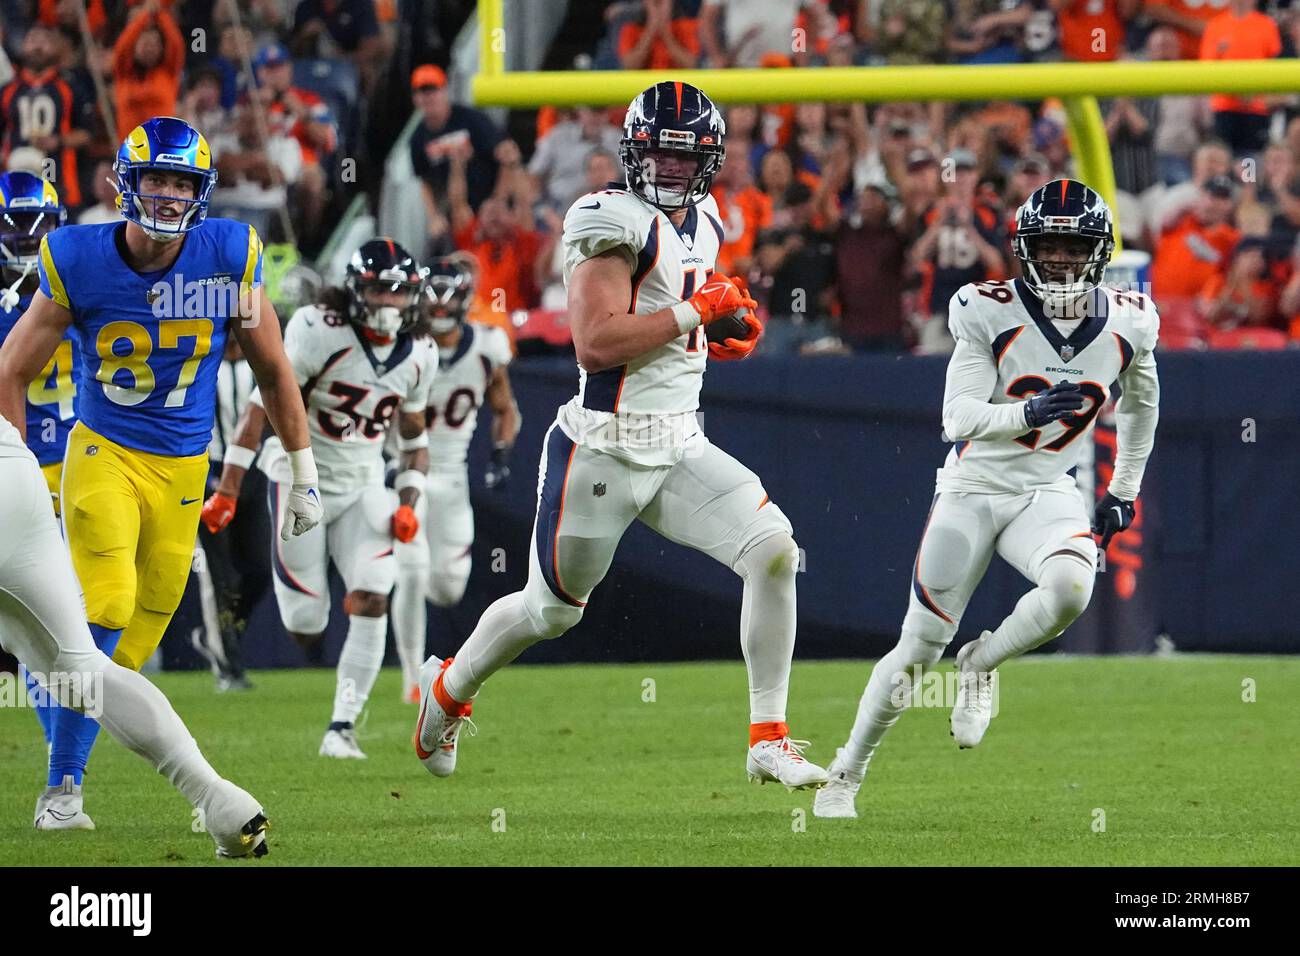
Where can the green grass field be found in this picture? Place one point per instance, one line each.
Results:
(582, 771)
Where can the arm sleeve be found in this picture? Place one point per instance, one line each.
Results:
(501, 353)
(590, 232)
(1136, 416)
(251, 262)
(967, 412)
(417, 399)
(298, 344)
(51, 281)
(1138, 410)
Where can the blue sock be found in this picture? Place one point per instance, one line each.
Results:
(42, 703)
(73, 733)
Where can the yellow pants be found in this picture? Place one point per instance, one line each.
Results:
(53, 480)
(131, 520)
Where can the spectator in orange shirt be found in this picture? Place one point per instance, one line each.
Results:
(1188, 17)
(744, 210)
(659, 39)
(501, 235)
(147, 61)
(1093, 32)
(1241, 33)
(1194, 248)
(1244, 294)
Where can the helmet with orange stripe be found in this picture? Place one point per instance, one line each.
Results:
(1064, 238)
(672, 145)
(383, 284)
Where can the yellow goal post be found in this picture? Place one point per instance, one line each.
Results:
(1077, 85)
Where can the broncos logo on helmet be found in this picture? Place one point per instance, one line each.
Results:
(1064, 209)
(171, 145)
(672, 145)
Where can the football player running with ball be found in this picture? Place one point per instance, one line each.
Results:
(359, 367)
(1033, 364)
(639, 268)
(472, 372)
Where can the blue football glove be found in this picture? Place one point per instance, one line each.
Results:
(1062, 399)
(498, 470)
(1112, 517)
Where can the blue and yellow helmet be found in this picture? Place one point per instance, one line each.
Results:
(29, 210)
(164, 144)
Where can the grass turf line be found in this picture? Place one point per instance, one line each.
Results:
(581, 770)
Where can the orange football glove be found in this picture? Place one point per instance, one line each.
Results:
(405, 524)
(720, 296)
(217, 512)
(729, 350)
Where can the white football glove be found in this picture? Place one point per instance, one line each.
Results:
(302, 511)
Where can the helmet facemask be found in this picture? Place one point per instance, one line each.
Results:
(446, 303)
(389, 318)
(1059, 279)
(21, 232)
(143, 209)
(670, 177)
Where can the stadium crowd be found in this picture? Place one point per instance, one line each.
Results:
(854, 224)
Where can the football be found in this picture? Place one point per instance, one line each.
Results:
(731, 327)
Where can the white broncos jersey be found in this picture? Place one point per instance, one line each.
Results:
(353, 389)
(645, 410)
(460, 389)
(1008, 349)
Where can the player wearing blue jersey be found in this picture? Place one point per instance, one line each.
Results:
(30, 210)
(151, 301)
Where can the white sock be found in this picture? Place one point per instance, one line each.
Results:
(1063, 592)
(140, 718)
(767, 625)
(503, 633)
(410, 622)
(883, 699)
(363, 655)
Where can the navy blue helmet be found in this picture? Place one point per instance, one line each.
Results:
(672, 145)
(448, 292)
(1064, 207)
(384, 265)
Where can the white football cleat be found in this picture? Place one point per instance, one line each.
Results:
(835, 800)
(781, 761)
(974, 707)
(411, 694)
(235, 821)
(436, 731)
(59, 808)
(341, 744)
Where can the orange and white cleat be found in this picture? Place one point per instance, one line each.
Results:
(411, 695)
(440, 721)
(782, 761)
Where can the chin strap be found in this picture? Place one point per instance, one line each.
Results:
(375, 337)
(9, 298)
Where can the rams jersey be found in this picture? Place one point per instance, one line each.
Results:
(353, 389)
(460, 389)
(150, 343)
(51, 397)
(668, 264)
(1002, 326)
